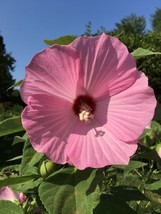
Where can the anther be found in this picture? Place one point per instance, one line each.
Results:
(85, 116)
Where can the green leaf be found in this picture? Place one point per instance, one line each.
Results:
(71, 193)
(154, 186)
(15, 85)
(27, 186)
(141, 52)
(8, 207)
(151, 136)
(155, 126)
(64, 170)
(16, 180)
(63, 40)
(29, 159)
(10, 126)
(18, 139)
(131, 166)
(15, 158)
(110, 204)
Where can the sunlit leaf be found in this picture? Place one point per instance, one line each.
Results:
(63, 40)
(10, 126)
(141, 52)
(15, 85)
(15, 158)
(154, 186)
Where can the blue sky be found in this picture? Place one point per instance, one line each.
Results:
(25, 24)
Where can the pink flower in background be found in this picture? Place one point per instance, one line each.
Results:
(158, 149)
(87, 104)
(6, 193)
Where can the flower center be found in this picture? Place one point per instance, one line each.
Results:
(84, 107)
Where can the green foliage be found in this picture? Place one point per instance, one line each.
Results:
(131, 166)
(9, 111)
(152, 64)
(131, 24)
(88, 31)
(8, 128)
(156, 20)
(63, 40)
(6, 65)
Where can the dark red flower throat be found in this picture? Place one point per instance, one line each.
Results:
(84, 107)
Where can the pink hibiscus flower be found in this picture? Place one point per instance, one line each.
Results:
(87, 104)
(6, 193)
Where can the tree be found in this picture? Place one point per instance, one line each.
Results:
(151, 65)
(6, 65)
(130, 31)
(131, 24)
(88, 31)
(156, 20)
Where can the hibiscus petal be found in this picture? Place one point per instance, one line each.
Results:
(97, 147)
(6, 193)
(54, 71)
(48, 121)
(127, 114)
(106, 65)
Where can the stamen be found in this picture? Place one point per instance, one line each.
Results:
(85, 116)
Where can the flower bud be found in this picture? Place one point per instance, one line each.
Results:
(46, 168)
(22, 197)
